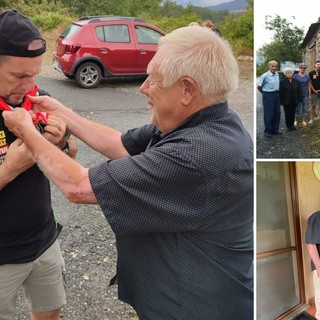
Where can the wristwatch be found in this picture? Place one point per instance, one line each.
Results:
(66, 148)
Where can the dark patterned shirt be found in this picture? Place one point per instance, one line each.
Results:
(312, 234)
(181, 207)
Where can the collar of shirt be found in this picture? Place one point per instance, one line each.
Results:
(213, 112)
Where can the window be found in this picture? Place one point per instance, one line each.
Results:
(113, 33)
(279, 278)
(70, 31)
(147, 35)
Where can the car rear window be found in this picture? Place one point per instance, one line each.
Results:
(70, 31)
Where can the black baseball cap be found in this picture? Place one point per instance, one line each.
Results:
(19, 36)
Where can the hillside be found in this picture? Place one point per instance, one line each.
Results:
(233, 6)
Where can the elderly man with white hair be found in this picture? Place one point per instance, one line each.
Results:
(268, 86)
(178, 192)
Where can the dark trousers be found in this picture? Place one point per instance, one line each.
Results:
(289, 114)
(271, 110)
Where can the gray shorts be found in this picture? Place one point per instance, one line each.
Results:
(42, 280)
(315, 100)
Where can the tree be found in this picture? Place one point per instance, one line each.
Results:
(238, 30)
(285, 45)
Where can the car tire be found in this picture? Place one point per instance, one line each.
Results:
(88, 75)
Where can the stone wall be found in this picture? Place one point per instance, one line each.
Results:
(309, 56)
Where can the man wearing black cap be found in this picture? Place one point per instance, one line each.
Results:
(29, 251)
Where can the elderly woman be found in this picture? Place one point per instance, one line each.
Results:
(290, 95)
(302, 108)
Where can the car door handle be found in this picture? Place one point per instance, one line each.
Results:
(143, 51)
(103, 50)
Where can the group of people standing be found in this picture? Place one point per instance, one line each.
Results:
(293, 92)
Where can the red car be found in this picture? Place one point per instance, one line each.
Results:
(100, 47)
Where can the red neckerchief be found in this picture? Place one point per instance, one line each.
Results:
(27, 104)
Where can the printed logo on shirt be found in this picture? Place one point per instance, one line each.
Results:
(3, 146)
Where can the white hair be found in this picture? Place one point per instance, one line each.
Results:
(288, 70)
(202, 55)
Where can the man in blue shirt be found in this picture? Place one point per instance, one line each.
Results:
(268, 85)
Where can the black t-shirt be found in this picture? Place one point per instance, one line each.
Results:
(315, 79)
(27, 223)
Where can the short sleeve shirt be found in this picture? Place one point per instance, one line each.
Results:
(181, 207)
(269, 82)
(315, 79)
(312, 235)
(304, 81)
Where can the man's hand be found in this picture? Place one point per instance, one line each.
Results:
(17, 121)
(55, 130)
(18, 159)
(47, 104)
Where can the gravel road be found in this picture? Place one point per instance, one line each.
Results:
(87, 241)
(302, 143)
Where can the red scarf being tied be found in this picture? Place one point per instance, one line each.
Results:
(27, 104)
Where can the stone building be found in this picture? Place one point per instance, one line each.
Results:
(310, 46)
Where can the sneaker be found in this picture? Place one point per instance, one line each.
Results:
(295, 123)
(304, 124)
(311, 121)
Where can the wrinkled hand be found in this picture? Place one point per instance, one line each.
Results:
(55, 131)
(45, 103)
(17, 121)
(18, 158)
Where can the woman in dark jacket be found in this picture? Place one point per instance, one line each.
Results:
(290, 96)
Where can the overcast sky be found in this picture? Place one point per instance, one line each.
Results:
(305, 14)
(201, 3)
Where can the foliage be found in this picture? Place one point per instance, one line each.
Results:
(285, 45)
(47, 14)
(207, 14)
(166, 14)
(238, 29)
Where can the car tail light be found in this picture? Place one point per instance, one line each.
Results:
(71, 48)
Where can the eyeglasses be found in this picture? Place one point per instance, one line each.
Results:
(302, 67)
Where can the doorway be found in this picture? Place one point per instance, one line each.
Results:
(279, 278)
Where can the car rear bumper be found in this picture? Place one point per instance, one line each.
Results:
(56, 65)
